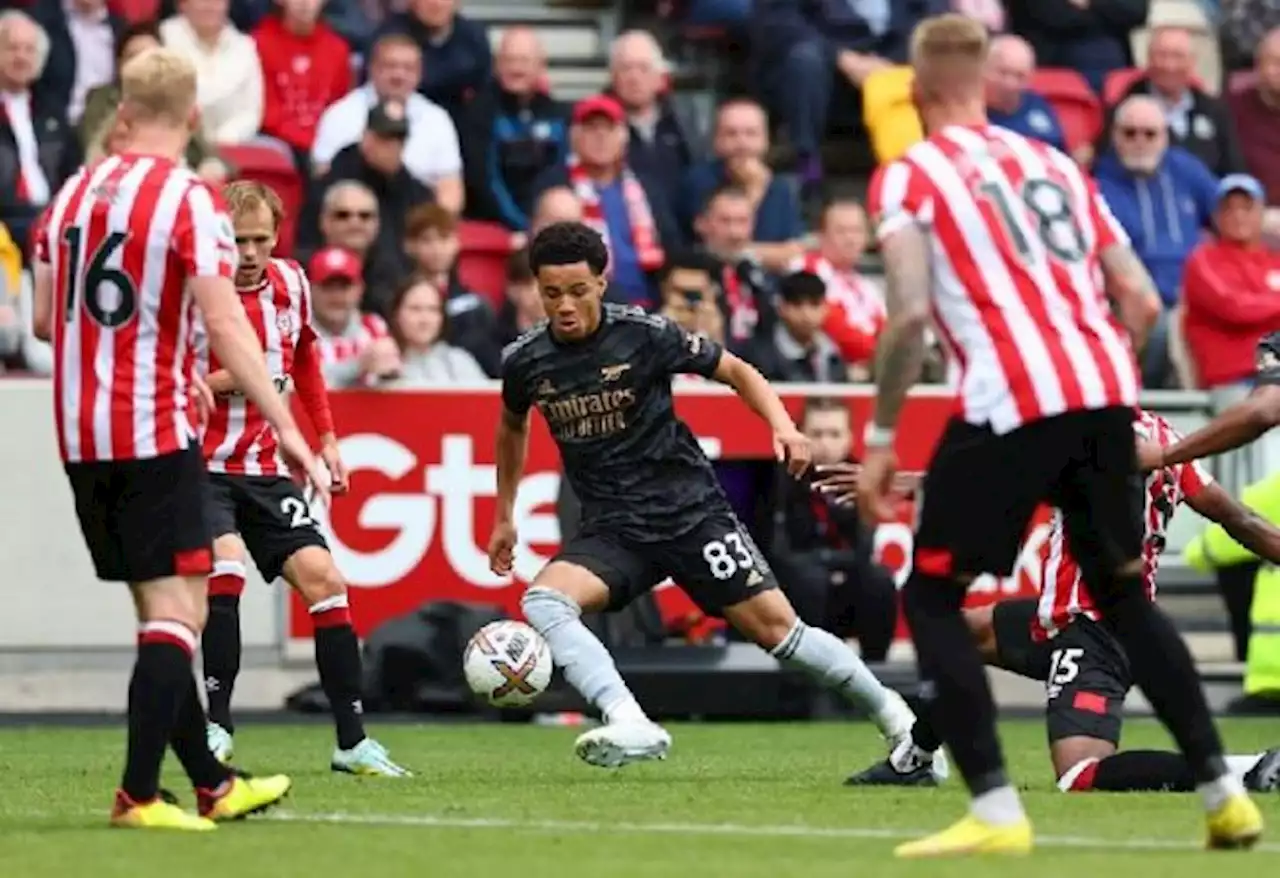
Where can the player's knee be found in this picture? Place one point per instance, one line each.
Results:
(547, 608)
(767, 619)
(230, 548)
(1075, 761)
(312, 572)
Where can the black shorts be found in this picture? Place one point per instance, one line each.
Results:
(716, 563)
(269, 513)
(1084, 669)
(144, 519)
(981, 490)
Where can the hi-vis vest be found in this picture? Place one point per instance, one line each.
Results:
(1213, 548)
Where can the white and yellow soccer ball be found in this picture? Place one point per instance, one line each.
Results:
(507, 663)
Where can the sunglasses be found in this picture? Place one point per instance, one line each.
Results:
(1130, 133)
(362, 215)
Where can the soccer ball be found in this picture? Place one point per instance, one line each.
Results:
(507, 663)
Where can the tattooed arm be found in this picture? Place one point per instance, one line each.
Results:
(1130, 286)
(900, 354)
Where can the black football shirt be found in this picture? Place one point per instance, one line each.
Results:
(635, 467)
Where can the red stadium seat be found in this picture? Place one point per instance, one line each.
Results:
(1118, 82)
(1077, 106)
(482, 259)
(273, 168)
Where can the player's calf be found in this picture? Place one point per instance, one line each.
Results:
(769, 620)
(220, 644)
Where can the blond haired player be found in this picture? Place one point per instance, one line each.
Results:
(256, 509)
(127, 250)
(1006, 245)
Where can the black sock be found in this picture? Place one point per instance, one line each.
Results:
(161, 675)
(923, 734)
(1165, 672)
(1138, 771)
(220, 652)
(341, 674)
(192, 747)
(954, 686)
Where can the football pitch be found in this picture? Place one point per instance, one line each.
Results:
(512, 800)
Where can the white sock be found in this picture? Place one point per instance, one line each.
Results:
(998, 807)
(1215, 793)
(586, 663)
(1239, 766)
(831, 660)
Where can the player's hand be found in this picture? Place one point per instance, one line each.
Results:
(838, 482)
(295, 448)
(202, 399)
(502, 548)
(1150, 455)
(340, 478)
(876, 485)
(792, 447)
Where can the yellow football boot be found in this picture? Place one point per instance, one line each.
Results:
(971, 836)
(242, 795)
(156, 814)
(1236, 824)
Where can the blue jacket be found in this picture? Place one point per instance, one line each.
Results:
(777, 216)
(1164, 214)
(778, 25)
(1034, 117)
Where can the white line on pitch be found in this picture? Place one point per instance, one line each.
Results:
(852, 832)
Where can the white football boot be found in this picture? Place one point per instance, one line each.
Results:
(621, 743)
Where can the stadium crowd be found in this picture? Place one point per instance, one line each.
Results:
(408, 140)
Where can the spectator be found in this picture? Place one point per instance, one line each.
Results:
(824, 553)
(1091, 36)
(38, 149)
(1231, 294)
(432, 154)
(797, 349)
(1163, 196)
(856, 311)
(741, 148)
(228, 71)
(377, 161)
(1011, 65)
(100, 107)
(624, 204)
(1256, 112)
(688, 295)
(83, 39)
(555, 205)
(514, 131)
(1242, 27)
(1198, 122)
(420, 326)
(638, 80)
(725, 231)
(349, 219)
(356, 349)
(814, 55)
(11, 329)
(431, 240)
(306, 67)
(522, 305)
(732, 15)
(455, 51)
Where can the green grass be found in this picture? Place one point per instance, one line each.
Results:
(513, 801)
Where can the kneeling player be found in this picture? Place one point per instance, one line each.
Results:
(651, 505)
(253, 503)
(1060, 639)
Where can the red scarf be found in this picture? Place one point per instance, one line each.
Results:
(863, 308)
(644, 235)
(743, 314)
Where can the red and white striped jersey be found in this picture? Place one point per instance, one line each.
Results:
(362, 331)
(859, 303)
(237, 438)
(1063, 594)
(121, 238)
(1015, 231)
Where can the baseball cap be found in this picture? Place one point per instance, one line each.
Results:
(1245, 183)
(389, 119)
(598, 105)
(334, 263)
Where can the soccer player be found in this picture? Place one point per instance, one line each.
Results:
(126, 248)
(253, 505)
(1006, 243)
(1060, 639)
(651, 506)
(1237, 425)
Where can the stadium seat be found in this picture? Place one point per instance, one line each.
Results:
(889, 112)
(273, 168)
(482, 258)
(1077, 106)
(1118, 82)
